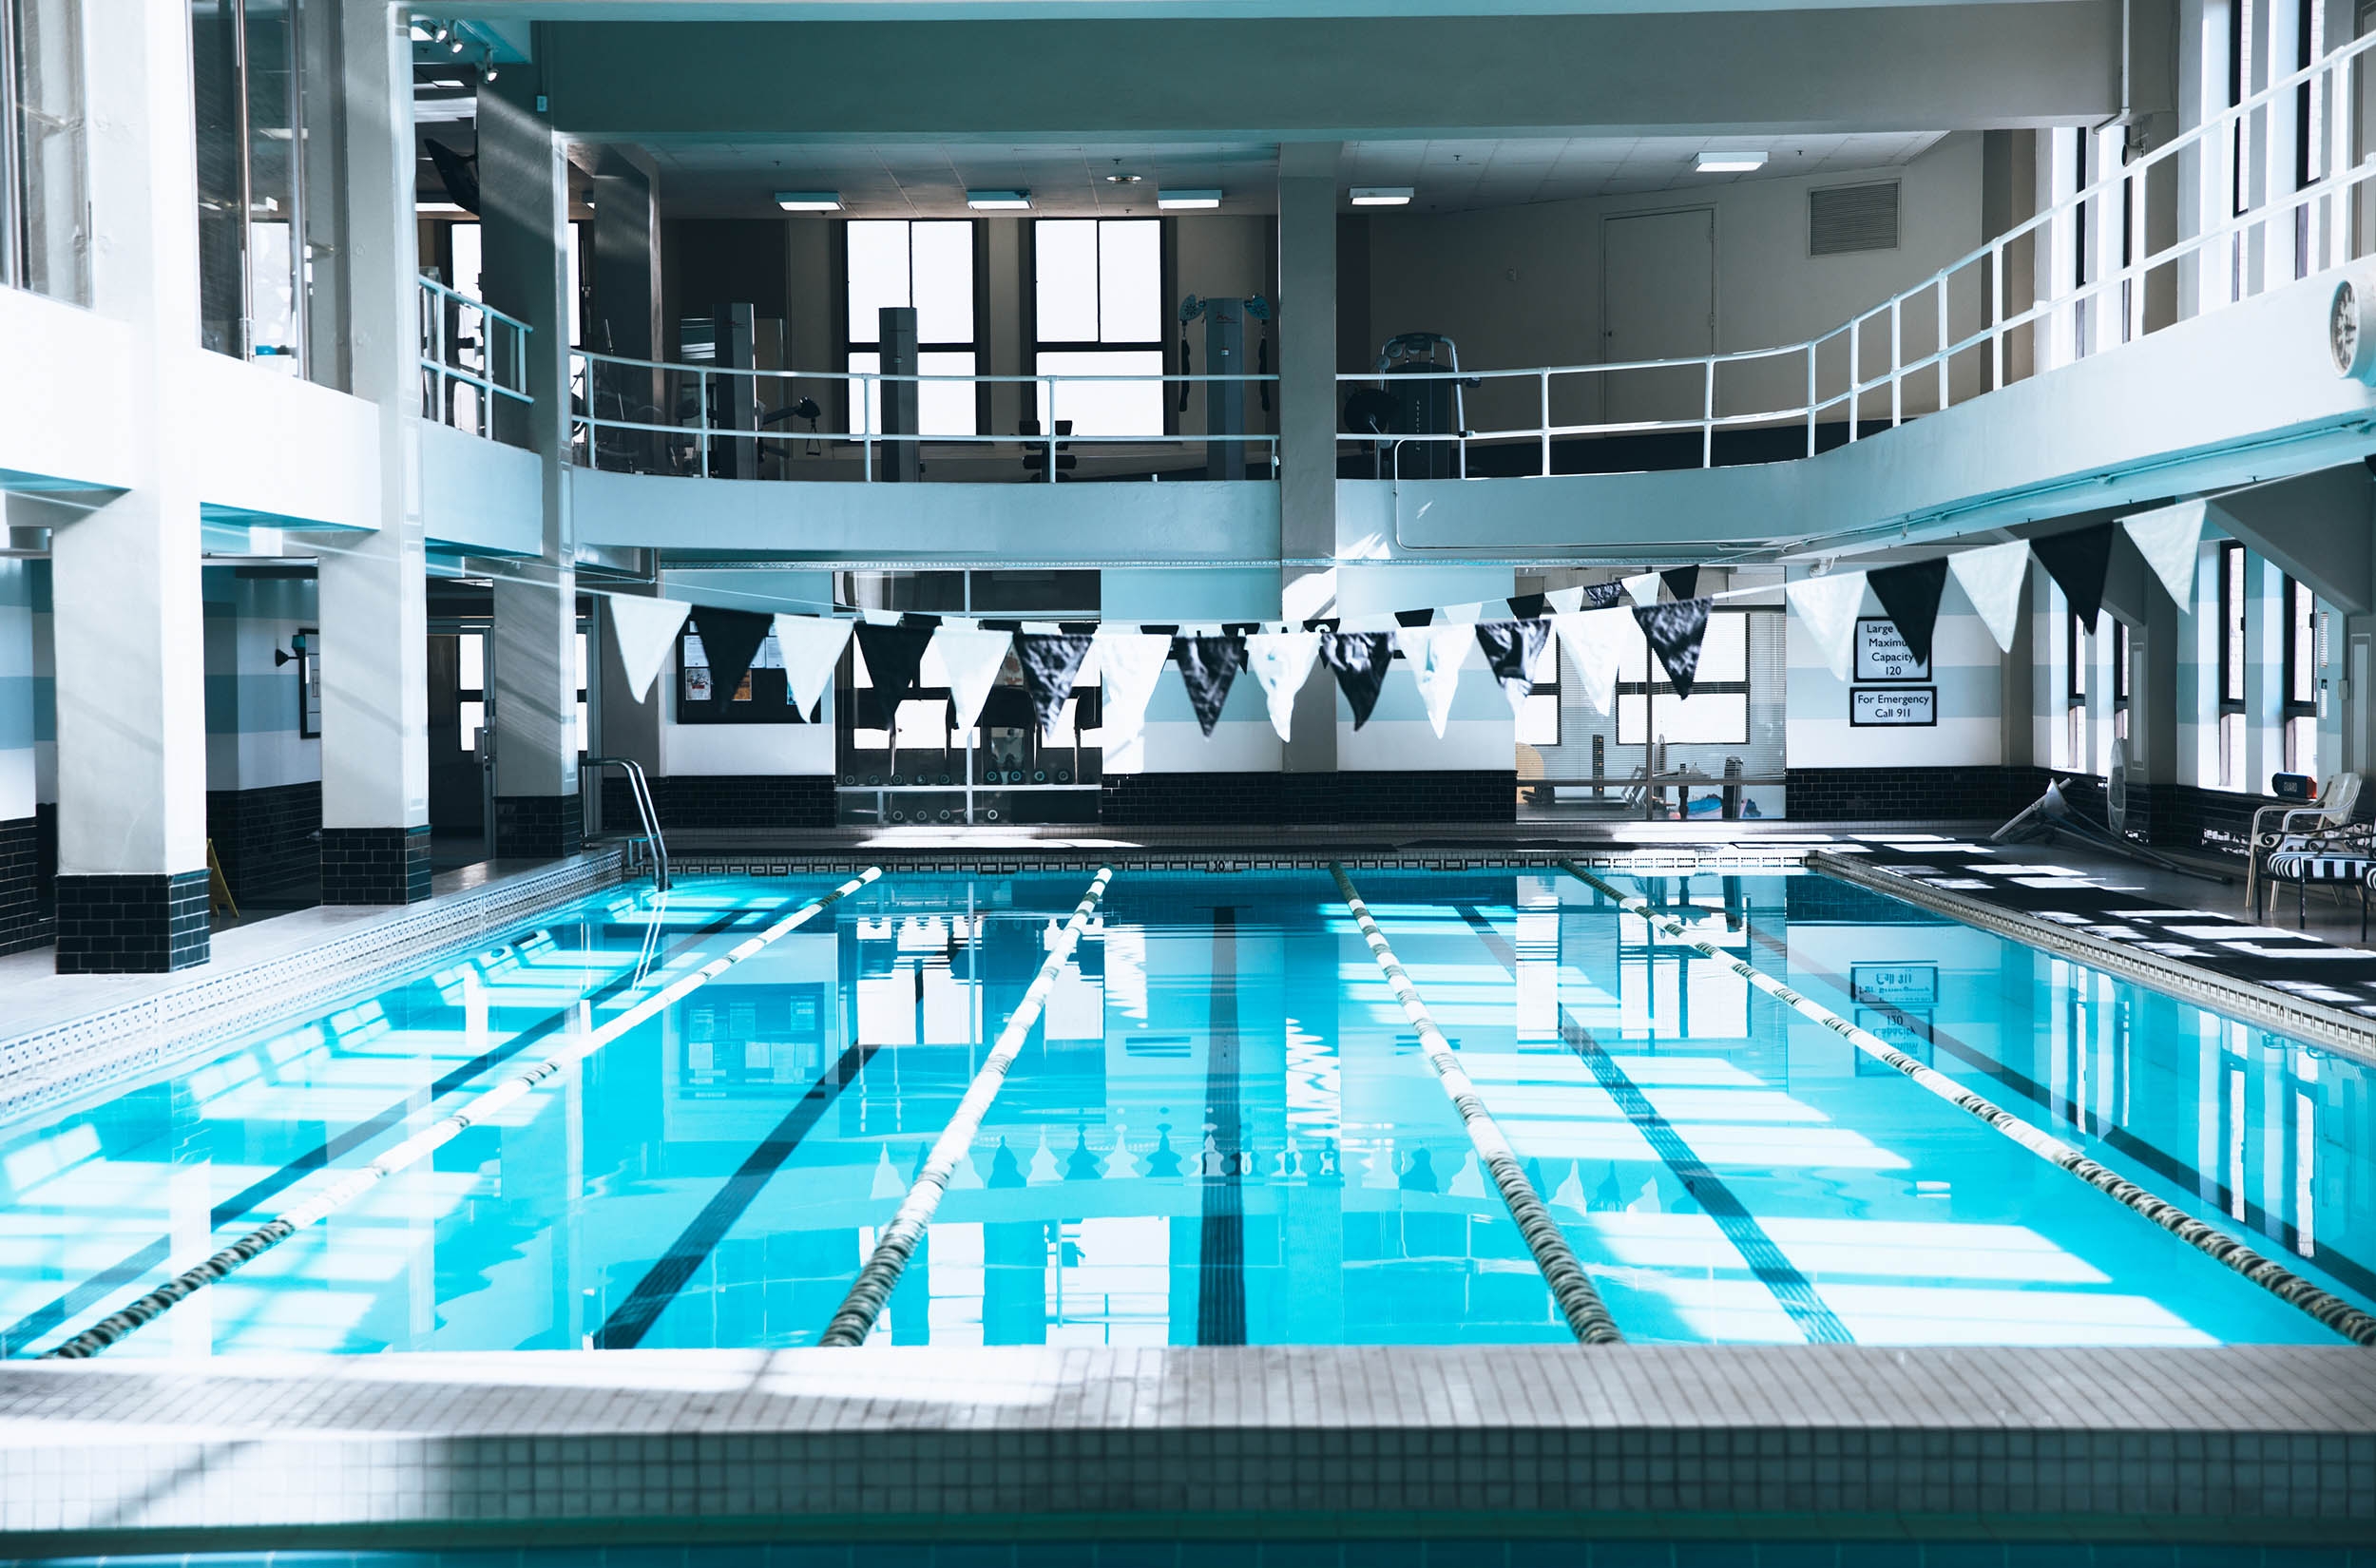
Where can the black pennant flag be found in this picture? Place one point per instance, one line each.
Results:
(1512, 648)
(1601, 596)
(1050, 665)
(2076, 562)
(1525, 606)
(730, 639)
(1682, 582)
(1207, 665)
(1360, 661)
(1675, 632)
(892, 656)
(1910, 597)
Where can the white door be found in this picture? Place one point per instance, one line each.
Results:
(1657, 301)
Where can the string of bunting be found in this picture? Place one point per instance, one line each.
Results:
(1519, 639)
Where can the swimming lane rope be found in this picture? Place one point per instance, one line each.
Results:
(1587, 1315)
(2336, 1313)
(890, 1259)
(115, 1326)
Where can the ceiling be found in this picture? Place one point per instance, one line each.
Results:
(930, 178)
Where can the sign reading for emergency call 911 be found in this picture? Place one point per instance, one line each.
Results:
(1881, 707)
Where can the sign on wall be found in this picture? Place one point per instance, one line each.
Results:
(1889, 706)
(1894, 985)
(1882, 654)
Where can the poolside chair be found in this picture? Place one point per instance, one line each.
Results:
(2314, 843)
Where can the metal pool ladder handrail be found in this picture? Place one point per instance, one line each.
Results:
(641, 788)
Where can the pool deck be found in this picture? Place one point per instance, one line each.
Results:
(2262, 1444)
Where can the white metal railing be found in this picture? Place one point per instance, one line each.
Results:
(654, 415)
(473, 357)
(2259, 196)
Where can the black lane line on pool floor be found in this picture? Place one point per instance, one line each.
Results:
(98, 1287)
(2209, 1188)
(658, 1287)
(1765, 1258)
(1222, 1258)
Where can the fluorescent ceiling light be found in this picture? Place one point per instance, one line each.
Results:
(1731, 163)
(1382, 196)
(999, 200)
(1183, 201)
(809, 201)
(441, 208)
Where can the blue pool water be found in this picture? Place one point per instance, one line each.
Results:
(1223, 1132)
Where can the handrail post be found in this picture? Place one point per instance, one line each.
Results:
(1811, 398)
(1997, 329)
(1855, 375)
(1047, 401)
(1897, 363)
(1940, 345)
(1708, 412)
(702, 418)
(1546, 424)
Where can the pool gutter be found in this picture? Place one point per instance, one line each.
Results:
(2311, 1022)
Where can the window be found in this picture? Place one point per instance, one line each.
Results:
(308, 643)
(2122, 654)
(252, 223)
(1716, 713)
(2232, 663)
(1097, 297)
(764, 697)
(2074, 692)
(41, 244)
(2301, 679)
(1539, 716)
(471, 688)
(890, 262)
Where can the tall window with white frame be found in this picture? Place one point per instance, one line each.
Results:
(2122, 654)
(2301, 679)
(928, 263)
(1098, 310)
(2233, 664)
(2074, 692)
(44, 246)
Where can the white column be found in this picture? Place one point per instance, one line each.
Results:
(375, 847)
(1307, 424)
(130, 635)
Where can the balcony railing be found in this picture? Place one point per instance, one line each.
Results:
(473, 359)
(2259, 196)
(653, 416)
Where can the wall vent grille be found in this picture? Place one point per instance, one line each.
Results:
(1843, 220)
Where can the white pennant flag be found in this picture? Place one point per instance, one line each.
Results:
(1460, 615)
(1436, 654)
(1128, 663)
(1566, 601)
(647, 629)
(812, 646)
(1643, 589)
(1282, 662)
(1597, 641)
(2168, 539)
(1827, 607)
(970, 659)
(1991, 579)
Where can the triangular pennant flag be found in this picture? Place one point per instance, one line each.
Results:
(1566, 601)
(2076, 562)
(1415, 618)
(1643, 589)
(812, 646)
(1282, 662)
(1510, 650)
(1128, 663)
(1360, 661)
(1208, 665)
(1991, 577)
(1682, 582)
(1675, 632)
(730, 639)
(1436, 654)
(1910, 597)
(1827, 607)
(1050, 664)
(644, 629)
(1526, 607)
(2168, 539)
(971, 660)
(1602, 596)
(1462, 615)
(894, 653)
(1596, 642)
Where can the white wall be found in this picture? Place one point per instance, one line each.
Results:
(1965, 668)
(253, 740)
(19, 688)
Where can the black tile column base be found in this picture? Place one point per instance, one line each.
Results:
(126, 925)
(539, 827)
(375, 864)
(22, 921)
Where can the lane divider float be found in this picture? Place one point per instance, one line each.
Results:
(116, 1326)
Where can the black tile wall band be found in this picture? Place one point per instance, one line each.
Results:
(143, 924)
(25, 920)
(266, 838)
(375, 864)
(725, 802)
(1203, 800)
(539, 827)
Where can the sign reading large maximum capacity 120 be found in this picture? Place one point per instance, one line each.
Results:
(1882, 654)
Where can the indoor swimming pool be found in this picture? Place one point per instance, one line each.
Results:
(1222, 1130)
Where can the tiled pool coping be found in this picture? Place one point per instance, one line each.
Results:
(2262, 1444)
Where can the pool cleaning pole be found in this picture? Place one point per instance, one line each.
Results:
(1587, 1315)
(2336, 1313)
(890, 1261)
(107, 1330)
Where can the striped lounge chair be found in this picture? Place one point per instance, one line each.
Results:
(2339, 859)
